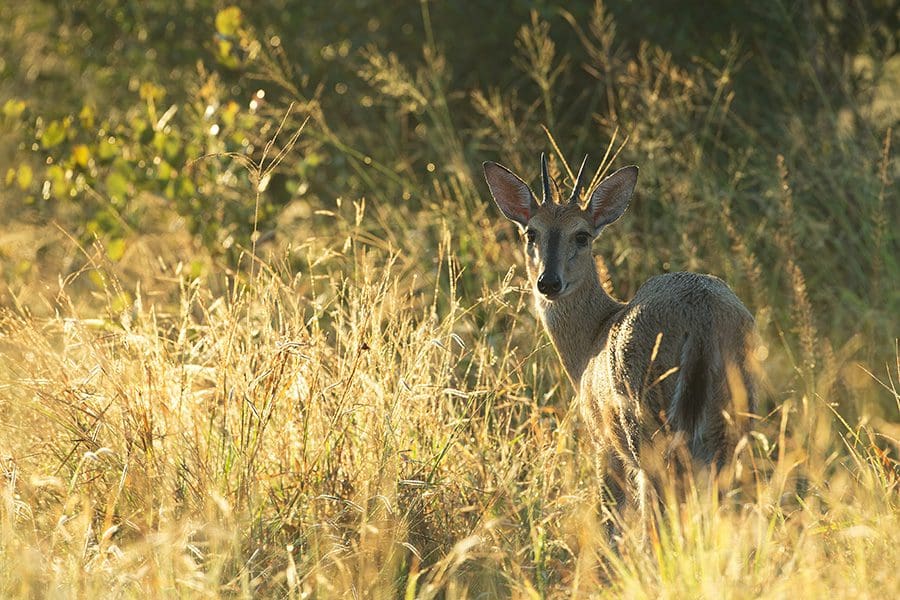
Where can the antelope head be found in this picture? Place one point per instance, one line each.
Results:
(558, 234)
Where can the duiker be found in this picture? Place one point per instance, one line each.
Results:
(673, 361)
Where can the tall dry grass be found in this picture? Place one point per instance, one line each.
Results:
(354, 428)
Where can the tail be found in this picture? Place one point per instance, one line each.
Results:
(689, 398)
(701, 395)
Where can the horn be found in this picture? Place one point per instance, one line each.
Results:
(545, 180)
(576, 191)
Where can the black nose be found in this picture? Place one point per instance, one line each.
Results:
(549, 284)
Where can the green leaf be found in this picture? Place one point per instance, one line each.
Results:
(186, 187)
(13, 109)
(117, 186)
(228, 113)
(115, 249)
(151, 92)
(122, 301)
(159, 141)
(97, 278)
(165, 171)
(81, 154)
(172, 148)
(54, 134)
(168, 145)
(224, 54)
(229, 20)
(106, 149)
(87, 116)
(56, 175)
(23, 267)
(197, 269)
(24, 176)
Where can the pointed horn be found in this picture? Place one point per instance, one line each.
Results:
(576, 191)
(545, 180)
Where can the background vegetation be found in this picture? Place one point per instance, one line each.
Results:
(262, 333)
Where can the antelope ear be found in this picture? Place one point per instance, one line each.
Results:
(611, 196)
(512, 195)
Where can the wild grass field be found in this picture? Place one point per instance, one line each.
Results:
(263, 333)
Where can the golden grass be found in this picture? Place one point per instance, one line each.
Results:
(352, 429)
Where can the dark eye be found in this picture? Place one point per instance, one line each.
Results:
(582, 238)
(530, 236)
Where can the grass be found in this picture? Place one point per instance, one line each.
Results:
(359, 402)
(335, 431)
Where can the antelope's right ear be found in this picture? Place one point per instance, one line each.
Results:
(512, 195)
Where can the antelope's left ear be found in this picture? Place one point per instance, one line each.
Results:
(512, 195)
(611, 197)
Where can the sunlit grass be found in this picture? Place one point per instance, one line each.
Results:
(333, 430)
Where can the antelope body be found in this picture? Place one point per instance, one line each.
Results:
(674, 359)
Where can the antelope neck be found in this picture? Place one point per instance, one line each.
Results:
(576, 321)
